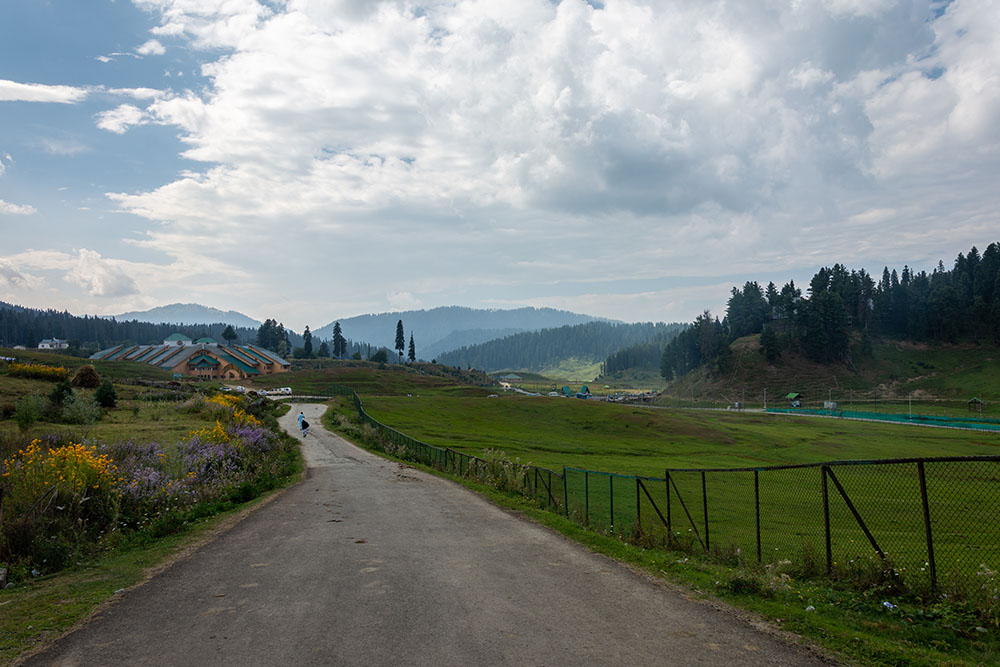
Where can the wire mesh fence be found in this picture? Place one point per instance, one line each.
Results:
(926, 524)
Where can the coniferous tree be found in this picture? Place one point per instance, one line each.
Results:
(400, 339)
(307, 342)
(229, 334)
(339, 342)
(412, 354)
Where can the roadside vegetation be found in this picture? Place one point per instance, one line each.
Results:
(98, 472)
(860, 613)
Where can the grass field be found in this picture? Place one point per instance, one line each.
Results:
(557, 433)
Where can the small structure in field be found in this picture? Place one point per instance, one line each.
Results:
(794, 399)
(976, 405)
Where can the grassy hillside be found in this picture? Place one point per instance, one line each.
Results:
(315, 376)
(937, 379)
(557, 432)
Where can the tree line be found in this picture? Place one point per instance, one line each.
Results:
(538, 349)
(843, 309)
(90, 333)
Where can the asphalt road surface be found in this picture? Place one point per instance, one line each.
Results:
(369, 562)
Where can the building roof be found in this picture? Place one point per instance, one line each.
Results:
(203, 360)
(205, 341)
(249, 370)
(174, 337)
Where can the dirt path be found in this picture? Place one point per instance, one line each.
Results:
(368, 562)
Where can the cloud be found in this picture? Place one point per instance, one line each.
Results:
(11, 276)
(152, 47)
(63, 146)
(12, 91)
(121, 118)
(15, 209)
(100, 276)
(567, 144)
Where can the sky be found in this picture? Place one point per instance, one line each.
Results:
(310, 160)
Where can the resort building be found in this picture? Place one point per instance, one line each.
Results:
(202, 358)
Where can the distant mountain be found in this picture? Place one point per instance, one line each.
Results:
(464, 338)
(536, 350)
(438, 330)
(189, 313)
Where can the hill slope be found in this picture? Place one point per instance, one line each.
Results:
(189, 313)
(896, 371)
(431, 328)
(535, 351)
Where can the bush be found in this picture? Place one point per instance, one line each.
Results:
(38, 372)
(61, 393)
(80, 410)
(105, 395)
(87, 378)
(29, 410)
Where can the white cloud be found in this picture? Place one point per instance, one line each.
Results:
(660, 139)
(10, 276)
(15, 209)
(99, 276)
(13, 91)
(63, 146)
(137, 93)
(151, 48)
(121, 118)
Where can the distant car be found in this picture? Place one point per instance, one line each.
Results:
(554, 393)
(493, 396)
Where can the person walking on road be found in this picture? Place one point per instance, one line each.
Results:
(303, 424)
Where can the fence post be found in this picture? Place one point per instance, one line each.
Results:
(566, 491)
(586, 497)
(670, 526)
(756, 503)
(826, 523)
(704, 504)
(927, 524)
(611, 494)
(638, 512)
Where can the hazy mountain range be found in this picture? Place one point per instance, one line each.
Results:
(189, 313)
(450, 327)
(435, 331)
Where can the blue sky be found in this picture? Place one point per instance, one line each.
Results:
(309, 160)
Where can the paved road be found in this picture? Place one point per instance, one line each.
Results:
(368, 562)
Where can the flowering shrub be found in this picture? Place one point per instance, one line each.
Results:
(38, 372)
(66, 497)
(58, 498)
(70, 469)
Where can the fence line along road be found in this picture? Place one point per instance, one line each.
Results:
(929, 524)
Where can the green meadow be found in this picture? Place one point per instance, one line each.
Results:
(589, 438)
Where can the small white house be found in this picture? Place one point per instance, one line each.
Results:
(53, 344)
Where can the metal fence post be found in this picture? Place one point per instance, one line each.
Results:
(611, 494)
(566, 490)
(670, 527)
(826, 523)
(756, 503)
(704, 504)
(927, 524)
(586, 497)
(638, 511)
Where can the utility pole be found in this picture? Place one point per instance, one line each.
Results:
(765, 399)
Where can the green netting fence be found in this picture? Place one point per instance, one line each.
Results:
(978, 424)
(934, 523)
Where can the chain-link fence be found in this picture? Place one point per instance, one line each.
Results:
(926, 524)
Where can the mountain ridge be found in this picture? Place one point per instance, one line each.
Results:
(189, 313)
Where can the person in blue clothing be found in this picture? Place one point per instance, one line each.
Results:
(303, 424)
